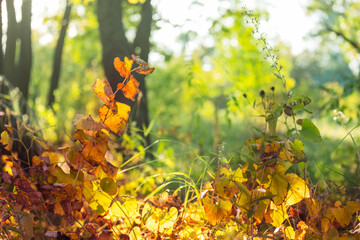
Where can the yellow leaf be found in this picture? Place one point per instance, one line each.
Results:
(260, 210)
(191, 232)
(216, 212)
(100, 202)
(353, 206)
(135, 234)
(298, 189)
(292, 152)
(127, 211)
(51, 157)
(289, 232)
(243, 201)
(342, 215)
(6, 140)
(223, 183)
(193, 212)
(158, 220)
(325, 224)
(278, 185)
(278, 214)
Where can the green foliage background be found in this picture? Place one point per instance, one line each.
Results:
(196, 100)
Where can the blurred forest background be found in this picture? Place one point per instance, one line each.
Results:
(192, 109)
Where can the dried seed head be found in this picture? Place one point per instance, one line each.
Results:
(262, 93)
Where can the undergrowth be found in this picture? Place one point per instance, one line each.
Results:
(81, 191)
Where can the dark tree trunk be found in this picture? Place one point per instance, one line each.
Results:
(115, 44)
(142, 42)
(1, 45)
(113, 39)
(11, 38)
(54, 82)
(25, 60)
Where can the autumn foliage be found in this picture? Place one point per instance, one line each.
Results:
(73, 192)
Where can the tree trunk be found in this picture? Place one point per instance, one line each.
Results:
(115, 44)
(113, 39)
(54, 82)
(11, 38)
(25, 60)
(1, 45)
(142, 42)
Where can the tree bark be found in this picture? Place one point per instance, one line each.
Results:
(1, 45)
(11, 38)
(25, 60)
(54, 81)
(142, 42)
(115, 44)
(113, 39)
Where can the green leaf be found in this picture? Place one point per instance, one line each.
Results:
(108, 185)
(309, 131)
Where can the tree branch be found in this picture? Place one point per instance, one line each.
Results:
(341, 34)
(142, 38)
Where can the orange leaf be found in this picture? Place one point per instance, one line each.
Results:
(144, 69)
(76, 160)
(58, 209)
(143, 66)
(116, 118)
(130, 89)
(94, 148)
(104, 91)
(124, 68)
